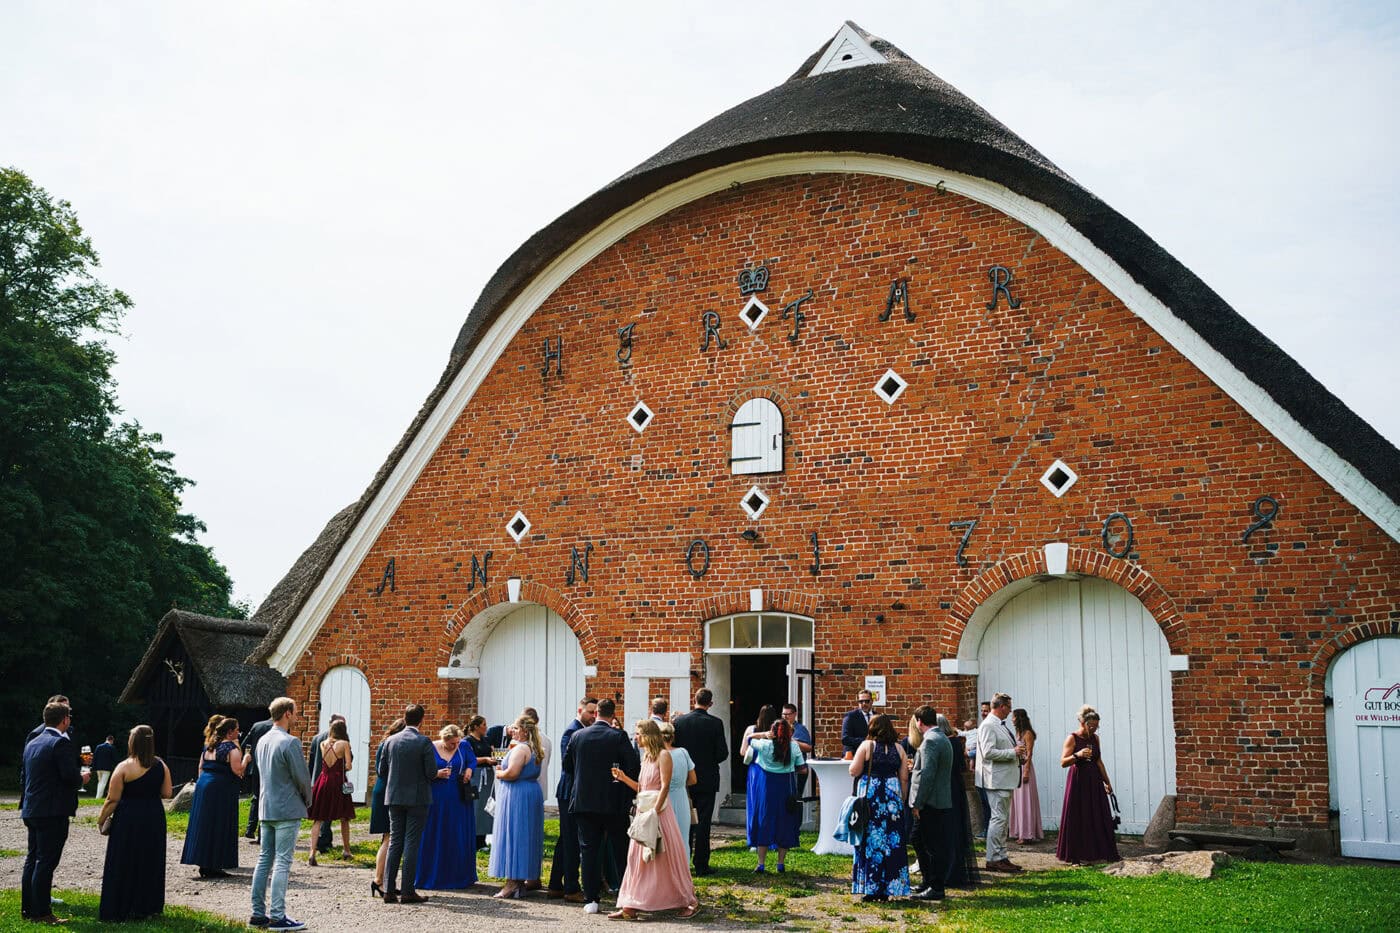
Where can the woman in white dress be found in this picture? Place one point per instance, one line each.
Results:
(682, 776)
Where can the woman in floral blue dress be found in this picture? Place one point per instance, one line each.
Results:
(881, 869)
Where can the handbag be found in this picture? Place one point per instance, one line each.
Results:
(859, 817)
(1113, 808)
(348, 787)
(490, 806)
(105, 827)
(793, 804)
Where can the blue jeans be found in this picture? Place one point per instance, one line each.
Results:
(279, 841)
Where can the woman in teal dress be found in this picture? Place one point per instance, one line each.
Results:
(682, 776)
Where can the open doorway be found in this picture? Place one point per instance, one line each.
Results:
(754, 680)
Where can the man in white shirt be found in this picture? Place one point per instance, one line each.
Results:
(999, 758)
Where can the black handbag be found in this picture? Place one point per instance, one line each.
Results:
(860, 809)
(1113, 809)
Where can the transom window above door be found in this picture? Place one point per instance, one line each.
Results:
(757, 632)
(756, 438)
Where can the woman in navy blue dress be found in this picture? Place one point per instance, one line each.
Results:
(447, 855)
(212, 839)
(881, 868)
(133, 874)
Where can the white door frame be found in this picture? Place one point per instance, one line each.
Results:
(349, 696)
(639, 669)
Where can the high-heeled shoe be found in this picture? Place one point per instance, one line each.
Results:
(508, 891)
(311, 860)
(347, 854)
(375, 890)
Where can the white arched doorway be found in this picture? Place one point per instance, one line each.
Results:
(1363, 747)
(345, 690)
(532, 658)
(1061, 644)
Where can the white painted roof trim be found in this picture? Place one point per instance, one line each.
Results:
(846, 36)
(1057, 231)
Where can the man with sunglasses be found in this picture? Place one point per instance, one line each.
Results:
(856, 726)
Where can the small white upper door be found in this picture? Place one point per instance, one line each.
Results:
(756, 438)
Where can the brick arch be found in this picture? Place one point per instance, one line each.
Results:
(1347, 638)
(733, 602)
(773, 395)
(495, 595)
(993, 588)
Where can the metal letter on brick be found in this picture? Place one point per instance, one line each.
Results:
(711, 321)
(578, 566)
(753, 280)
(816, 567)
(899, 295)
(1001, 285)
(556, 353)
(624, 341)
(387, 579)
(795, 308)
(697, 545)
(1265, 519)
(1111, 541)
(479, 571)
(970, 524)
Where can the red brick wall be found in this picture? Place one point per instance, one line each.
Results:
(994, 397)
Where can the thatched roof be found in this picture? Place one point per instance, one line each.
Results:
(218, 648)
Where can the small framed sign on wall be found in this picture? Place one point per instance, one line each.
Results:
(875, 683)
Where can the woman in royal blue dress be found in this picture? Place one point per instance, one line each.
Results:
(517, 845)
(772, 824)
(212, 839)
(881, 867)
(447, 855)
(133, 874)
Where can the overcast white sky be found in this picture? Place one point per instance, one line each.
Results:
(304, 199)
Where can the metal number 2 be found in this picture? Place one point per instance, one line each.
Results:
(970, 524)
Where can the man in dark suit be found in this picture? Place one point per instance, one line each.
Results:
(313, 761)
(563, 874)
(250, 757)
(34, 734)
(409, 766)
(104, 762)
(598, 802)
(52, 780)
(856, 726)
(702, 735)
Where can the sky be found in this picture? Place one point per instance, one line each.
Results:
(304, 199)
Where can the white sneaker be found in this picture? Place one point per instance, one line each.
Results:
(591, 907)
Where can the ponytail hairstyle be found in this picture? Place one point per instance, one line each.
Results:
(217, 733)
(141, 745)
(209, 729)
(782, 741)
(1087, 712)
(531, 731)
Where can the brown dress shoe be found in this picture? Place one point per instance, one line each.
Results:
(49, 920)
(414, 898)
(576, 898)
(555, 894)
(533, 885)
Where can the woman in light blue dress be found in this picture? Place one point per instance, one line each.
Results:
(517, 849)
(682, 776)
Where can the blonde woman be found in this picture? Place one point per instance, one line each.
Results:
(663, 883)
(1086, 824)
(447, 854)
(517, 848)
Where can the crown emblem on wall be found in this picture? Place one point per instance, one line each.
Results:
(753, 280)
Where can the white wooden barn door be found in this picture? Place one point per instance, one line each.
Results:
(1364, 746)
(533, 658)
(1062, 644)
(344, 690)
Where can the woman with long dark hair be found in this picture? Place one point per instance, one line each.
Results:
(775, 760)
(379, 815)
(962, 850)
(133, 873)
(1024, 825)
(212, 839)
(483, 777)
(881, 867)
(329, 801)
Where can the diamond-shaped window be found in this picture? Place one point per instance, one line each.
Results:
(518, 527)
(754, 312)
(640, 417)
(1059, 478)
(754, 502)
(890, 386)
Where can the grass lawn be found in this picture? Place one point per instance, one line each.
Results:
(81, 911)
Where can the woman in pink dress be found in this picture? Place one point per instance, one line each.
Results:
(663, 883)
(1025, 800)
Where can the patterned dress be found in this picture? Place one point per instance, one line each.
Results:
(882, 862)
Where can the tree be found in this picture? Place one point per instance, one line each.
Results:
(93, 545)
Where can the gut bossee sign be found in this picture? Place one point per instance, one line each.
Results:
(1379, 706)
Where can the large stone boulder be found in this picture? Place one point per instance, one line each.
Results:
(1196, 864)
(1163, 822)
(184, 799)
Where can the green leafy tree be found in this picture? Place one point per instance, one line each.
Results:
(93, 545)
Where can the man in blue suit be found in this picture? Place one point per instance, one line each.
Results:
(52, 780)
(856, 725)
(563, 875)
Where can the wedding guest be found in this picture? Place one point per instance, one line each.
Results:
(447, 854)
(329, 799)
(767, 715)
(250, 772)
(34, 734)
(972, 725)
(999, 758)
(682, 778)
(772, 822)
(659, 706)
(802, 738)
(321, 840)
(1086, 823)
(881, 866)
(563, 873)
(546, 751)
(518, 848)
(133, 869)
(379, 816)
(1025, 825)
(104, 761)
(856, 724)
(703, 736)
(483, 778)
(931, 801)
(409, 767)
(662, 881)
(962, 850)
(286, 793)
(211, 842)
(51, 783)
(599, 803)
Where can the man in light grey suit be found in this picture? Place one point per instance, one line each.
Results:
(931, 799)
(999, 758)
(284, 796)
(408, 765)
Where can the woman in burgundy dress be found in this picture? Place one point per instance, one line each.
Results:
(329, 801)
(1086, 825)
